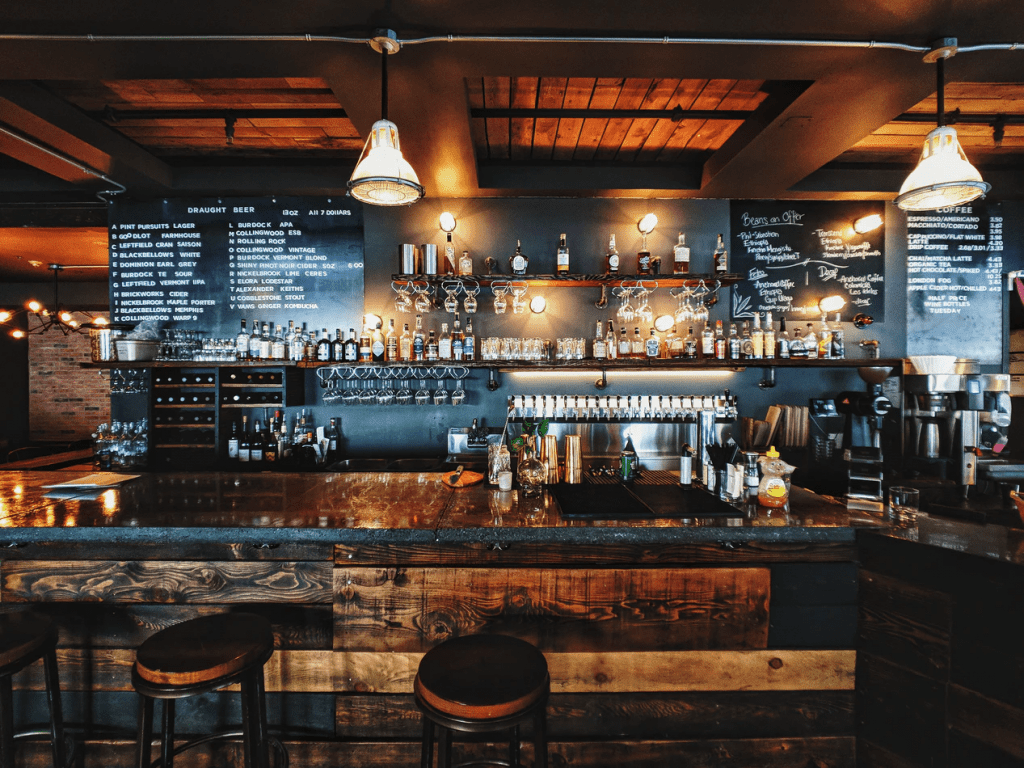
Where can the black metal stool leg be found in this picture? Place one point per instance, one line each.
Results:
(56, 710)
(144, 749)
(167, 745)
(444, 748)
(540, 739)
(513, 747)
(427, 755)
(6, 723)
(259, 713)
(248, 760)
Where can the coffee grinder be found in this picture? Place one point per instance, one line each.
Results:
(862, 438)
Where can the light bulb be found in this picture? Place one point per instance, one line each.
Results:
(34, 306)
(447, 222)
(647, 224)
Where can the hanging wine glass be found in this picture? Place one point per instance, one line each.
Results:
(519, 298)
(625, 311)
(424, 302)
(500, 302)
(440, 394)
(403, 301)
(458, 394)
(423, 394)
(470, 301)
(700, 314)
(643, 309)
(451, 302)
(404, 395)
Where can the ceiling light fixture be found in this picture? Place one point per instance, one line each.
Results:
(383, 176)
(943, 176)
(55, 317)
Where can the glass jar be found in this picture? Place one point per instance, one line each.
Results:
(532, 472)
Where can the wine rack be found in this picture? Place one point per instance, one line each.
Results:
(184, 417)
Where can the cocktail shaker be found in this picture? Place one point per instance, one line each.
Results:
(429, 251)
(411, 261)
(550, 457)
(573, 459)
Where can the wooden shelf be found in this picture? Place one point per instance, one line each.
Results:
(252, 405)
(278, 385)
(639, 364)
(184, 386)
(183, 425)
(576, 281)
(211, 406)
(197, 364)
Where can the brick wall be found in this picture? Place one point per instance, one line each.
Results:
(66, 401)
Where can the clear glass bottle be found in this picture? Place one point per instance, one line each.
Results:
(465, 264)
(824, 339)
(419, 342)
(611, 261)
(720, 257)
(811, 343)
(277, 345)
(610, 345)
(784, 341)
(721, 346)
(734, 342)
(241, 351)
(562, 256)
(518, 262)
(469, 341)
(637, 347)
(625, 348)
(681, 257)
(707, 342)
(254, 341)
(531, 473)
(769, 336)
(266, 342)
(599, 346)
(674, 344)
(652, 347)
(289, 341)
(797, 350)
(757, 338)
(458, 340)
(432, 347)
(405, 344)
(301, 340)
(391, 342)
(444, 344)
(838, 340)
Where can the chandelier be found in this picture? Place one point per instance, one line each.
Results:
(54, 317)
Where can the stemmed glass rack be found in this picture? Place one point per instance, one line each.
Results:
(392, 384)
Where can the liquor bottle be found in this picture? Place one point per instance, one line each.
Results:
(365, 345)
(458, 345)
(673, 345)
(643, 259)
(377, 344)
(562, 256)
(299, 433)
(757, 338)
(465, 264)
(283, 444)
(419, 344)
(312, 347)
(256, 445)
(838, 342)
(721, 347)
(796, 346)
(277, 345)
(824, 339)
(681, 257)
(611, 347)
(242, 344)
(233, 440)
(351, 347)
(449, 267)
(323, 347)
(707, 342)
(444, 344)
(721, 257)
(391, 342)
(301, 342)
(625, 347)
(518, 262)
(338, 347)
(690, 345)
(266, 343)
(734, 342)
(432, 346)
(611, 261)
(289, 341)
(784, 340)
(637, 347)
(652, 347)
(746, 342)
(469, 341)
(254, 341)
(811, 343)
(270, 454)
(243, 443)
(405, 344)
(331, 435)
(600, 348)
(769, 336)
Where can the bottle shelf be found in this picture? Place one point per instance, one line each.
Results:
(575, 280)
(204, 425)
(637, 364)
(162, 406)
(252, 386)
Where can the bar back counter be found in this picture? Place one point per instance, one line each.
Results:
(711, 641)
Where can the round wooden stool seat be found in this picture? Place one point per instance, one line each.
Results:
(204, 649)
(24, 637)
(482, 677)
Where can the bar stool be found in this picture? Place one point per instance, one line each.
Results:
(199, 656)
(24, 639)
(478, 684)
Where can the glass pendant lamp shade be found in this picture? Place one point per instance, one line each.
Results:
(943, 176)
(382, 175)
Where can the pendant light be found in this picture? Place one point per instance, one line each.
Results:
(943, 176)
(55, 317)
(382, 175)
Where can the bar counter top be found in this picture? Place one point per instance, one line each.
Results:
(371, 507)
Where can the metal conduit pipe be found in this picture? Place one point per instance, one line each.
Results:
(69, 160)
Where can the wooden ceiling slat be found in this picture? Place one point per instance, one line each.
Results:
(662, 89)
(524, 96)
(713, 134)
(710, 97)
(606, 92)
(744, 94)
(477, 129)
(685, 93)
(497, 95)
(550, 96)
(631, 96)
(577, 96)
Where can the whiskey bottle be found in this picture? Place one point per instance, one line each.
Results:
(757, 338)
(707, 342)
(405, 344)
(652, 347)
(681, 257)
(391, 342)
(600, 348)
(690, 345)
(562, 257)
(811, 343)
(518, 261)
(242, 347)
(734, 343)
(469, 341)
(444, 344)
(721, 347)
(312, 342)
(625, 348)
(769, 336)
(465, 264)
(277, 345)
(637, 348)
(351, 347)
(419, 343)
(449, 267)
(746, 342)
(338, 347)
(797, 349)
(610, 345)
(377, 344)
(611, 261)
(673, 345)
(721, 258)
(432, 347)
(365, 345)
(323, 347)
(784, 340)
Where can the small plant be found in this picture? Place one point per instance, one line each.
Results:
(529, 430)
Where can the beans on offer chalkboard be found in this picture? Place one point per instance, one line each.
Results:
(792, 254)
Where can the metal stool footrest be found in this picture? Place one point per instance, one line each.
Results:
(279, 748)
(70, 745)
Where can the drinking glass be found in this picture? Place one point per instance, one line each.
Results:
(385, 395)
(440, 394)
(643, 310)
(625, 311)
(351, 396)
(451, 303)
(518, 298)
(404, 395)
(403, 301)
(500, 302)
(424, 303)
(903, 506)
(470, 301)
(423, 394)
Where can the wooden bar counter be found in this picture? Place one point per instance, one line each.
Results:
(703, 642)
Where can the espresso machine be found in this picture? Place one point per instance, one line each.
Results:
(956, 422)
(865, 413)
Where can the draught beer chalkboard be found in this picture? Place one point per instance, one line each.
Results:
(203, 264)
(793, 254)
(954, 282)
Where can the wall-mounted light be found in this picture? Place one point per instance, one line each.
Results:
(866, 224)
(371, 320)
(447, 222)
(664, 323)
(538, 304)
(831, 304)
(647, 224)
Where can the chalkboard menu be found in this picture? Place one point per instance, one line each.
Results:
(203, 264)
(954, 282)
(793, 254)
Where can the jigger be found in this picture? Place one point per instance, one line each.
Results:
(550, 457)
(573, 459)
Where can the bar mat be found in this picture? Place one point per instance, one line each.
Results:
(673, 501)
(597, 502)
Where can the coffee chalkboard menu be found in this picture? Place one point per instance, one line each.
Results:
(954, 282)
(204, 264)
(793, 254)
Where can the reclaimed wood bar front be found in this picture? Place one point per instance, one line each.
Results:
(668, 640)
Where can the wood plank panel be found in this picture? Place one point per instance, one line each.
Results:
(260, 546)
(577, 96)
(662, 130)
(825, 752)
(661, 92)
(691, 135)
(631, 96)
(165, 582)
(477, 127)
(713, 715)
(411, 609)
(606, 92)
(987, 720)
(626, 672)
(497, 95)
(479, 554)
(524, 96)
(550, 95)
(110, 669)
